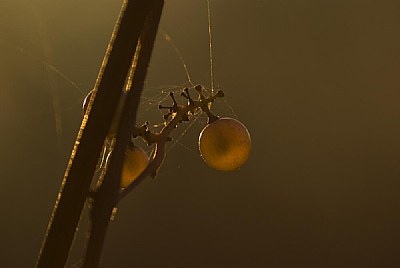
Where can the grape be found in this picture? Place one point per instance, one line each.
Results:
(135, 162)
(225, 144)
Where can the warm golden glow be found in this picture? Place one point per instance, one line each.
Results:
(225, 144)
(135, 162)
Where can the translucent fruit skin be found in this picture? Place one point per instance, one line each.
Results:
(225, 144)
(135, 162)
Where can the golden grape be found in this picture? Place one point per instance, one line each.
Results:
(135, 162)
(225, 144)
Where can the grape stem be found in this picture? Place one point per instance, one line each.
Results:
(178, 114)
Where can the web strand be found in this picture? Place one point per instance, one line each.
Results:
(169, 40)
(210, 45)
(177, 140)
(43, 62)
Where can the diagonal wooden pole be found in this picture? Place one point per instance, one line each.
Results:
(106, 197)
(95, 125)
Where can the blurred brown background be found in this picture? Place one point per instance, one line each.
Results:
(317, 83)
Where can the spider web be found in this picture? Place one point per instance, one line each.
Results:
(63, 110)
(151, 98)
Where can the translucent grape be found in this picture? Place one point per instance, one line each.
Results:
(225, 144)
(135, 162)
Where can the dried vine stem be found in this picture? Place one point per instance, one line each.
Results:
(178, 114)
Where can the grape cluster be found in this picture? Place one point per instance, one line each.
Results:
(224, 143)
